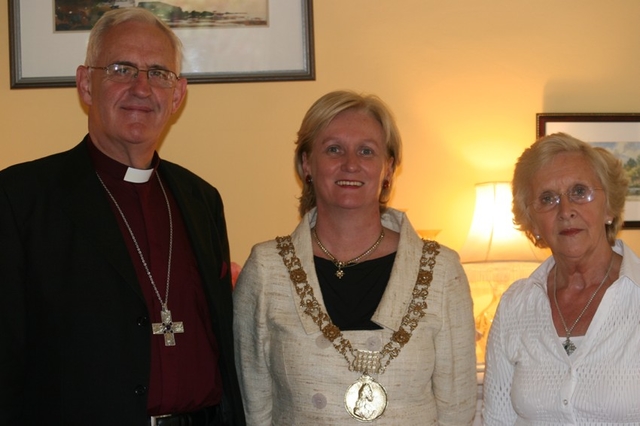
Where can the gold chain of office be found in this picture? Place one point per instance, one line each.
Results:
(362, 361)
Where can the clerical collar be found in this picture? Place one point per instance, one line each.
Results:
(137, 175)
(117, 170)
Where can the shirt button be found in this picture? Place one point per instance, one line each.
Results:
(319, 400)
(140, 390)
(565, 402)
(322, 342)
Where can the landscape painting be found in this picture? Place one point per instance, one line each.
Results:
(81, 15)
(223, 41)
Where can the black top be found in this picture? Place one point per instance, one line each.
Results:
(352, 300)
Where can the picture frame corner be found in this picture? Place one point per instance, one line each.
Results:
(586, 126)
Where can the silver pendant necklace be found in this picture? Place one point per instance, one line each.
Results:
(345, 264)
(568, 345)
(166, 327)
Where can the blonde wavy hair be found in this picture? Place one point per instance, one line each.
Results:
(320, 115)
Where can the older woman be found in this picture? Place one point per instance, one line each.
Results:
(353, 317)
(564, 345)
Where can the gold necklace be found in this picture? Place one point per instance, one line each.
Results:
(339, 263)
(366, 389)
(568, 345)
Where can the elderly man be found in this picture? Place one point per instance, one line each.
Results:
(116, 287)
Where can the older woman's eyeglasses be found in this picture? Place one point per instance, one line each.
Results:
(122, 73)
(578, 194)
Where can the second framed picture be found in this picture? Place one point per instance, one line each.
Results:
(618, 133)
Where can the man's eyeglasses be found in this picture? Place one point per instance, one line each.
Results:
(578, 194)
(122, 73)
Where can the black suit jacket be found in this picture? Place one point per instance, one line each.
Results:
(76, 332)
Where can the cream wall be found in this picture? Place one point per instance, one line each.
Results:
(465, 79)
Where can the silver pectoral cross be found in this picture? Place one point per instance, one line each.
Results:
(167, 327)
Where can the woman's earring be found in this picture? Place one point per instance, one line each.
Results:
(609, 222)
(308, 179)
(385, 184)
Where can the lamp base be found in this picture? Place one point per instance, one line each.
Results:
(488, 281)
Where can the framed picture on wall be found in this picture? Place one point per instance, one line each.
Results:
(618, 133)
(224, 42)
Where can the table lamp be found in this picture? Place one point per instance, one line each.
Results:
(495, 254)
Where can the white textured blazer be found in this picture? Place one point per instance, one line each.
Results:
(290, 374)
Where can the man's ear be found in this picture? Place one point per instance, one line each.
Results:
(83, 84)
(178, 93)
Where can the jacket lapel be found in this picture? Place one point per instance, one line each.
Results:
(301, 239)
(396, 299)
(201, 235)
(88, 207)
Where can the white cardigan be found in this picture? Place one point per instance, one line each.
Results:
(530, 380)
(290, 374)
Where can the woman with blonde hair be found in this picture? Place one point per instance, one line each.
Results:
(353, 306)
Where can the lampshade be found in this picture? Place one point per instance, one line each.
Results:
(493, 236)
(495, 255)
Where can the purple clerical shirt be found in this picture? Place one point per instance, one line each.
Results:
(184, 377)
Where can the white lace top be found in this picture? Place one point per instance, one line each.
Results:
(529, 378)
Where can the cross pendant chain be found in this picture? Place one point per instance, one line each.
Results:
(167, 327)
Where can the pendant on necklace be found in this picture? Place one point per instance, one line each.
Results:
(339, 272)
(167, 327)
(568, 346)
(366, 399)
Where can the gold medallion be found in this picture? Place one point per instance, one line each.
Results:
(366, 399)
